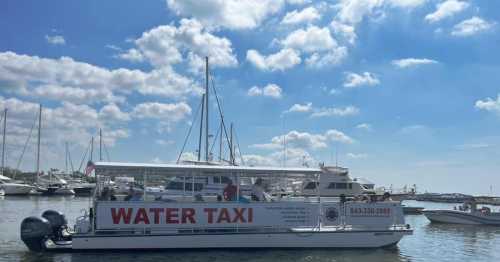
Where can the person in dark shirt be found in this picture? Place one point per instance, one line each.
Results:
(230, 191)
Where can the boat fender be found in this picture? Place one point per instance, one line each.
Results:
(57, 221)
(34, 232)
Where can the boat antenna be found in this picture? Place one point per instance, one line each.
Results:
(206, 108)
(70, 160)
(239, 148)
(3, 139)
(38, 142)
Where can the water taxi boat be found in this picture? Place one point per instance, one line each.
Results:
(222, 221)
(468, 214)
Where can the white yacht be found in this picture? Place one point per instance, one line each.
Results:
(10, 187)
(335, 181)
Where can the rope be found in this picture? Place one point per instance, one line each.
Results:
(24, 148)
(189, 132)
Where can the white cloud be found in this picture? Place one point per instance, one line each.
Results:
(284, 59)
(328, 112)
(310, 40)
(111, 112)
(173, 112)
(60, 124)
(298, 2)
(76, 94)
(333, 57)
(347, 32)
(163, 142)
(472, 146)
(446, 9)
(165, 45)
(353, 80)
(300, 108)
(471, 27)
(409, 62)
(364, 126)
(55, 40)
(65, 78)
(357, 156)
(305, 140)
(232, 14)
(306, 15)
(270, 90)
(353, 11)
(489, 104)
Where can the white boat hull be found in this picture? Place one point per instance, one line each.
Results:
(332, 239)
(460, 217)
(16, 189)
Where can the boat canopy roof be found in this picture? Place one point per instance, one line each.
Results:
(117, 168)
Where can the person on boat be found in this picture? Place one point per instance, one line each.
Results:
(386, 197)
(230, 191)
(130, 194)
(112, 196)
(258, 191)
(104, 194)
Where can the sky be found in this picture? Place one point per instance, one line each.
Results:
(402, 92)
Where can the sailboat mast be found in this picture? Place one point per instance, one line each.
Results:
(92, 149)
(38, 142)
(100, 144)
(201, 126)
(231, 147)
(206, 109)
(3, 139)
(220, 141)
(66, 157)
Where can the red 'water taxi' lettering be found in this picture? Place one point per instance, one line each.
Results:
(223, 216)
(210, 214)
(156, 212)
(121, 215)
(172, 215)
(141, 217)
(188, 213)
(238, 215)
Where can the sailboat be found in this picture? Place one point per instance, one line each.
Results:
(8, 186)
(49, 184)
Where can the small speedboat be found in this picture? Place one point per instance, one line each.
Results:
(467, 214)
(412, 210)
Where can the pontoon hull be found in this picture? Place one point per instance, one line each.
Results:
(336, 239)
(460, 217)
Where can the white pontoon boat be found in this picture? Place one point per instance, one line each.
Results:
(199, 222)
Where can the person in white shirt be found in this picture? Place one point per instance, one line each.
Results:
(258, 191)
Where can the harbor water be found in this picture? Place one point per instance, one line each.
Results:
(430, 242)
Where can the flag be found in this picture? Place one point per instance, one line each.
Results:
(90, 167)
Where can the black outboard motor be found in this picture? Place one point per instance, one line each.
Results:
(34, 232)
(58, 224)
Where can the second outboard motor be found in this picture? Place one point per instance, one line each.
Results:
(58, 223)
(34, 232)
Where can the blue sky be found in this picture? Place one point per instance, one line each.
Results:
(405, 91)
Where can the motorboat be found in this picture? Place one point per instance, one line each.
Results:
(335, 181)
(210, 222)
(11, 187)
(467, 214)
(53, 184)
